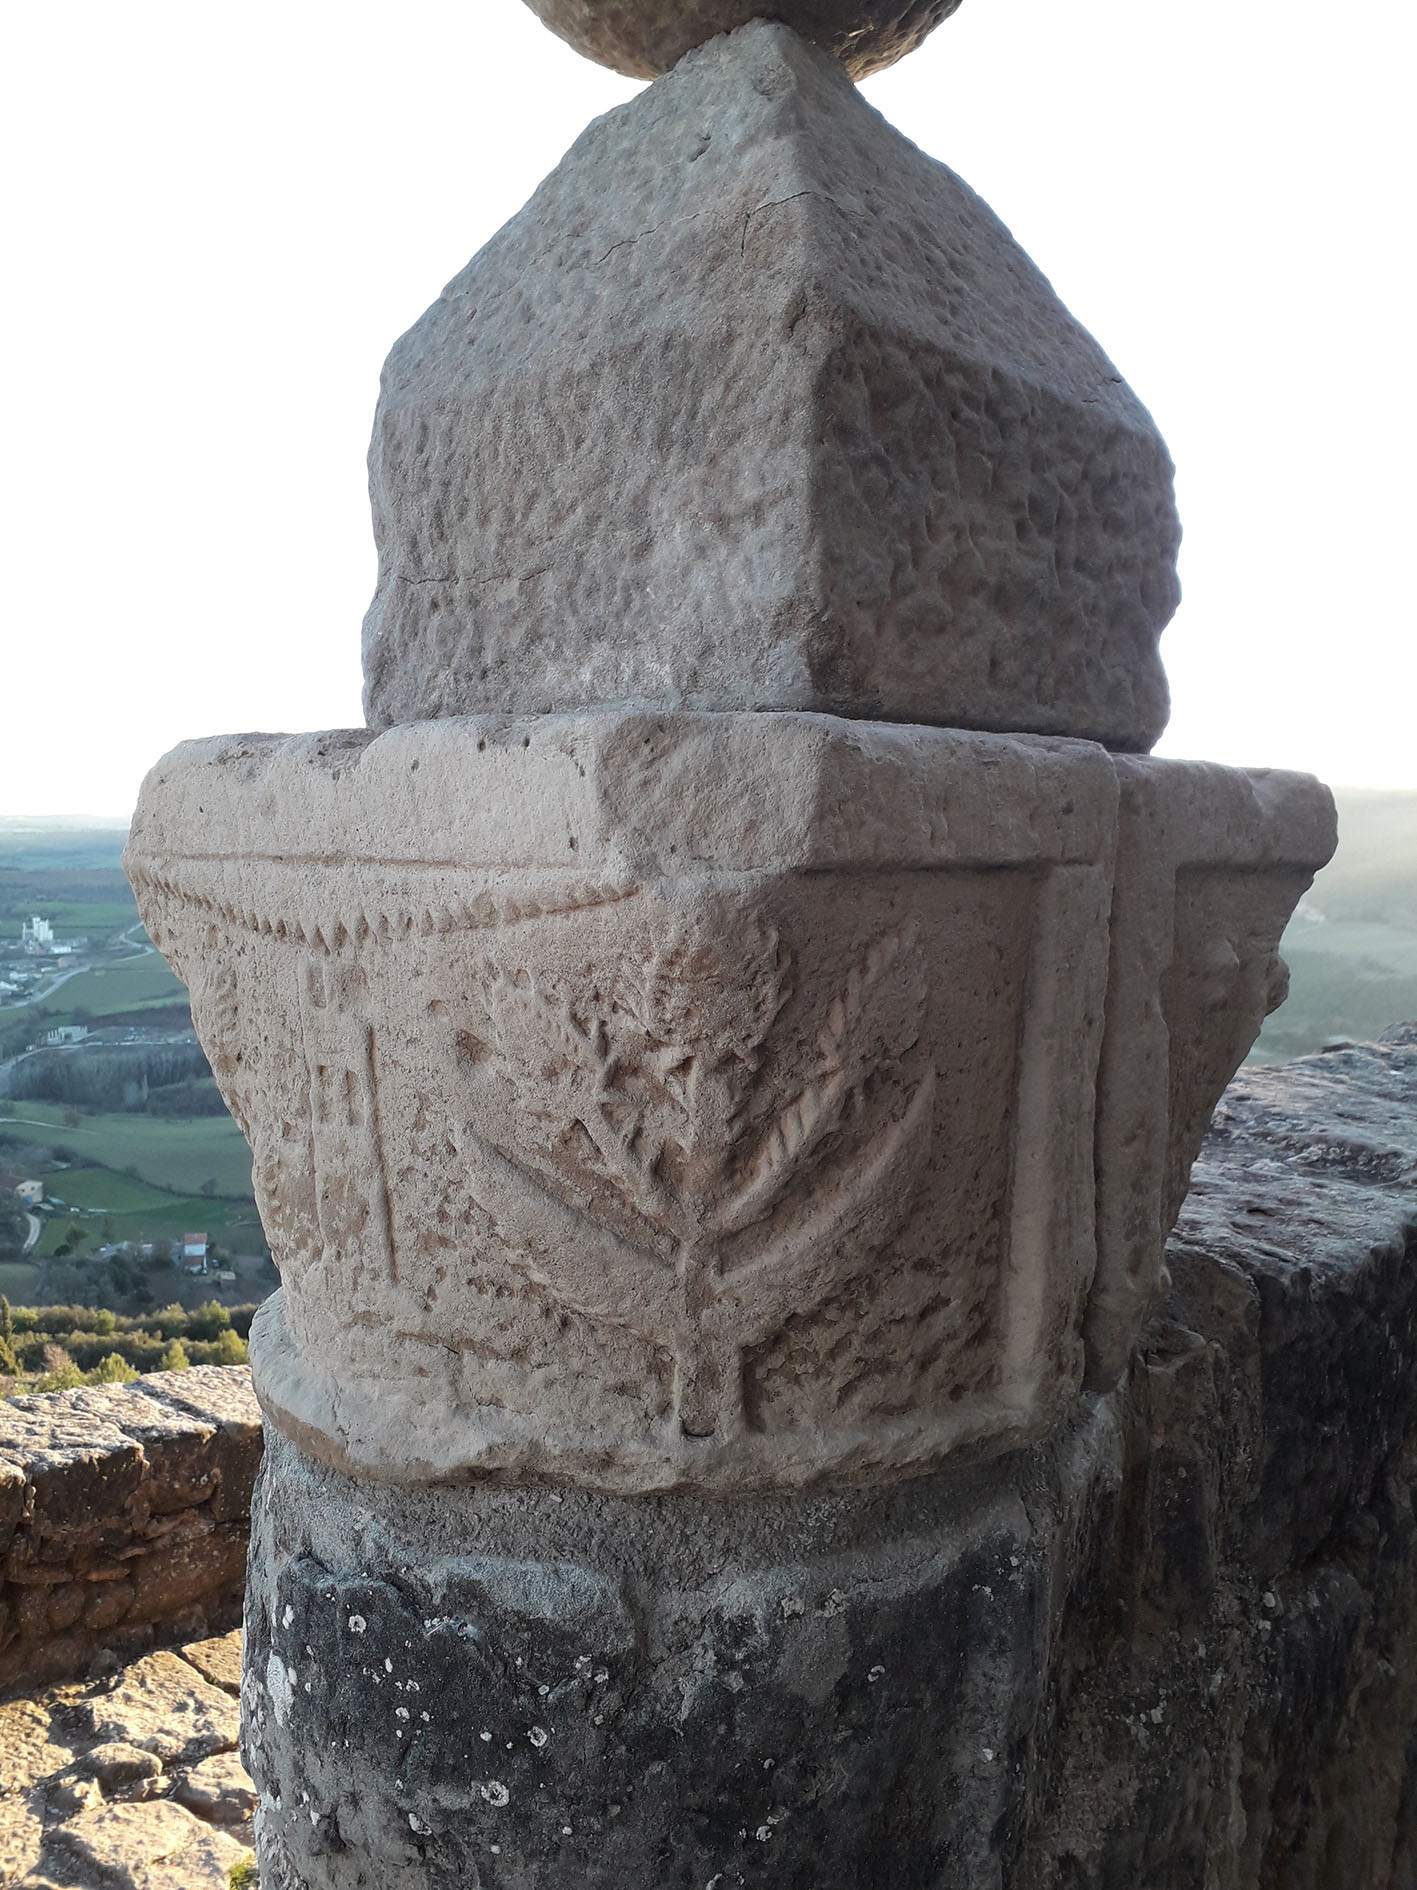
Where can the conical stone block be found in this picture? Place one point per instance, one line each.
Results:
(755, 406)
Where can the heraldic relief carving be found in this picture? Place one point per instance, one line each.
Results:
(701, 1140)
(764, 1167)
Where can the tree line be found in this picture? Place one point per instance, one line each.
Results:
(164, 1079)
(54, 1348)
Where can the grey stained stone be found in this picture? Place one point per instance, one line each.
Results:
(643, 38)
(1174, 1643)
(756, 406)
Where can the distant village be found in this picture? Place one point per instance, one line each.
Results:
(122, 1064)
(38, 965)
(27, 967)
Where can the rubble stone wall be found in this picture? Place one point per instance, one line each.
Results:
(124, 1517)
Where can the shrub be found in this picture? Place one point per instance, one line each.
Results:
(113, 1371)
(69, 1378)
(56, 1347)
(209, 1321)
(61, 1373)
(229, 1349)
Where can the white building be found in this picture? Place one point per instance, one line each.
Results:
(37, 935)
(66, 1033)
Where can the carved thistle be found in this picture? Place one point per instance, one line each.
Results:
(661, 1169)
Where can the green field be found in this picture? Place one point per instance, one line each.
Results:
(127, 985)
(84, 895)
(163, 1200)
(129, 1205)
(173, 1154)
(119, 987)
(237, 1224)
(71, 878)
(76, 918)
(17, 1281)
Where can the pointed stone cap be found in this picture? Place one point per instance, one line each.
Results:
(644, 38)
(755, 406)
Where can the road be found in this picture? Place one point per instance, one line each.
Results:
(49, 990)
(36, 1229)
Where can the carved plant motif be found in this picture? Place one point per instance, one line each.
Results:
(662, 1170)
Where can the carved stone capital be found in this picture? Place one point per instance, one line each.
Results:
(652, 1101)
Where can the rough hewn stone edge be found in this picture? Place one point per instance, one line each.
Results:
(609, 797)
(124, 1517)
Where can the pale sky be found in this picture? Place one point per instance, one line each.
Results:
(218, 217)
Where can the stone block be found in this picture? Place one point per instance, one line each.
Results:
(755, 406)
(21, 1832)
(218, 1790)
(81, 1468)
(116, 1765)
(162, 1705)
(14, 1488)
(654, 1101)
(176, 1449)
(128, 1506)
(214, 1403)
(158, 1846)
(217, 1660)
(108, 1603)
(643, 38)
(192, 1569)
(469, 1692)
(1211, 863)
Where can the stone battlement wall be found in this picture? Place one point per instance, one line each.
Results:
(124, 1517)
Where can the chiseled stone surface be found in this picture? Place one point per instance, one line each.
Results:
(162, 1705)
(702, 1101)
(1211, 862)
(126, 1783)
(217, 1659)
(127, 1514)
(219, 1789)
(1176, 1643)
(755, 406)
(643, 38)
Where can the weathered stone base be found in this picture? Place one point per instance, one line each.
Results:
(1177, 1645)
(524, 1688)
